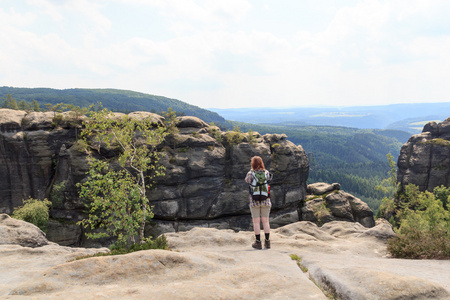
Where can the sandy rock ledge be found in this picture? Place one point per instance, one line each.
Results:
(208, 263)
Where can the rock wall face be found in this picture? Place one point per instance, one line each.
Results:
(204, 183)
(425, 159)
(29, 155)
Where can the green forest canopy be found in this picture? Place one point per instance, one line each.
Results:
(113, 99)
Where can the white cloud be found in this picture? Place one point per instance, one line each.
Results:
(48, 8)
(369, 52)
(203, 11)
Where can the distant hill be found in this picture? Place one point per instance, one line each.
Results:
(407, 117)
(115, 100)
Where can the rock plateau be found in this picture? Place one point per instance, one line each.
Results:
(346, 259)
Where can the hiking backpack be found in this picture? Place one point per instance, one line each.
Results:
(259, 187)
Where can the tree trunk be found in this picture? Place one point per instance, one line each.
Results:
(144, 209)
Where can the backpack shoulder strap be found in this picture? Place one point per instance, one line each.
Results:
(269, 176)
(254, 179)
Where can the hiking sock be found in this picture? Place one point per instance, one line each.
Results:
(267, 236)
(258, 237)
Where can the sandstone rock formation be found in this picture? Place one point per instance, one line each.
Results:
(320, 188)
(17, 232)
(208, 263)
(203, 186)
(325, 203)
(425, 159)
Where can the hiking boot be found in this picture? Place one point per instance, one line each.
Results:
(257, 245)
(267, 244)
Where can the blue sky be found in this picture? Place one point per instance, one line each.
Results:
(233, 53)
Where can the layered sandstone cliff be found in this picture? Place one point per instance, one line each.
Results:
(425, 159)
(203, 185)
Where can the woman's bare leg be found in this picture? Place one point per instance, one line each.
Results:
(266, 225)
(256, 225)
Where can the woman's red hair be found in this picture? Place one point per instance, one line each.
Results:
(257, 163)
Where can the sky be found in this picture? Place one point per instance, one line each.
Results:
(233, 53)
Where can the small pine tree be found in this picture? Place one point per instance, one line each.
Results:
(35, 106)
(10, 102)
(23, 105)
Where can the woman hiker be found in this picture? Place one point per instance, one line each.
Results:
(260, 208)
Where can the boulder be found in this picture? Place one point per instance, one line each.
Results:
(18, 232)
(382, 230)
(191, 122)
(282, 219)
(320, 188)
(431, 127)
(141, 115)
(337, 205)
(38, 120)
(11, 120)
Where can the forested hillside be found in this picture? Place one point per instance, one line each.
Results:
(115, 100)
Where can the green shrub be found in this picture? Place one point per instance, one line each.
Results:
(442, 193)
(234, 137)
(424, 225)
(214, 132)
(57, 120)
(251, 138)
(158, 243)
(314, 197)
(57, 194)
(34, 211)
(80, 146)
(439, 142)
(119, 249)
(320, 212)
(419, 244)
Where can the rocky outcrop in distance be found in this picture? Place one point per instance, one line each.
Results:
(425, 159)
(326, 203)
(204, 183)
